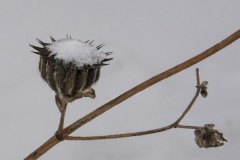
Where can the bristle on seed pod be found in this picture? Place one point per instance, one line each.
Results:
(70, 66)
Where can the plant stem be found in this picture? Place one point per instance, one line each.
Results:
(188, 127)
(121, 135)
(59, 133)
(61, 123)
(125, 135)
(209, 52)
(193, 100)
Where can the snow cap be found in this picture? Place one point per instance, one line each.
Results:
(77, 52)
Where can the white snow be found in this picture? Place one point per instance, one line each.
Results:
(76, 51)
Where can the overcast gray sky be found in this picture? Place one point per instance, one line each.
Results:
(147, 37)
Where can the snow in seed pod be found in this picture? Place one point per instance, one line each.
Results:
(76, 52)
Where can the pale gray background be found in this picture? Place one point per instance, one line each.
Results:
(147, 37)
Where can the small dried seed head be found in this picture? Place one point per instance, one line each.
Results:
(66, 79)
(203, 88)
(204, 92)
(208, 137)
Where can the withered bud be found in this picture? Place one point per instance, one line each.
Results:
(70, 67)
(208, 137)
(203, 89)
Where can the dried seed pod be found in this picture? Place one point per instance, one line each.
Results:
(208, 137)
(70, 67)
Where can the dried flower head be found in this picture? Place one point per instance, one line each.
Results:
(208, 137)
(70, 67)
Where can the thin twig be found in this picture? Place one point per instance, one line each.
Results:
(197, 77)
(125, 135)
(209, 52)
(188, 127)
(59, 133)
(61, 124)
(121, 135)
(193, 100)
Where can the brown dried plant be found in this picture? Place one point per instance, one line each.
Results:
(205, 136)
(66, 79)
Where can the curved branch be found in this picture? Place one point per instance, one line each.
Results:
(209, 52)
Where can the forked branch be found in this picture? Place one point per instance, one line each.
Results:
(173, 125)
(71, 128)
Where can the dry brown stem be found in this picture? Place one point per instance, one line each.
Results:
(68, 130)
